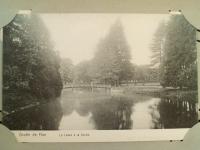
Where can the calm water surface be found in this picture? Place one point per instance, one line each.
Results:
(104, 111)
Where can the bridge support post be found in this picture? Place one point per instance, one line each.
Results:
(72, 87)
(92, 88)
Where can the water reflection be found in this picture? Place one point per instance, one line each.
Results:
(86, 110)
(76, 121)
(101, 110)
(113, 114)
(135, 111)
(178, 111)
(43, 117)
(149, 112)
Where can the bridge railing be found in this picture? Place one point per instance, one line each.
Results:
(90, 87)
(86, 86)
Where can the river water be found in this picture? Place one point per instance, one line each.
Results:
(84, 110)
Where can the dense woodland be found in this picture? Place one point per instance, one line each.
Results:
(175, 53)
(111, 63)
(33, 70)
(179, 59)
(174, 58)
(30, 64)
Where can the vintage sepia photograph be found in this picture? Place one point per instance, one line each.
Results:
(99, 71)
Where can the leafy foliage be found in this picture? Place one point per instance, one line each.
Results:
(179, 54)
(30, 65)
(67, 70)
(82, 72)
(144, 73)
(112, 58)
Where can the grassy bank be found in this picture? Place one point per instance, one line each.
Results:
(153, 90)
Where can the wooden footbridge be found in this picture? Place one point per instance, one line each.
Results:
(87, 86)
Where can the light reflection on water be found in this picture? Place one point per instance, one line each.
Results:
(128, 112)
(145, 113)
(102, 111)
(75, 121)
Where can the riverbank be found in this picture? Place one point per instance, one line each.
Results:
(29, 106)
(152, 90)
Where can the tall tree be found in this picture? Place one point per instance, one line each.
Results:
(180, 54)
(30, 64)
(112, 57)
(158, 44)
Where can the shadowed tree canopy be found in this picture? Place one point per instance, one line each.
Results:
(112, 58)
(179, 67)
(31, 66)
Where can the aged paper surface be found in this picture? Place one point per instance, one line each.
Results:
(99, 77)
(100, 136)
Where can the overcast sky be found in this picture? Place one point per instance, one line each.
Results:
(76, 36)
